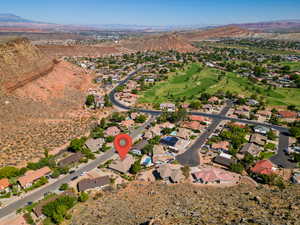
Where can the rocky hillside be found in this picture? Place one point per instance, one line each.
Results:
(158, 43)
(220, 32)
(21, 62)
(185, 204)
(41, 102)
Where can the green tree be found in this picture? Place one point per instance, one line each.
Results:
(63, 187)
(9, 172)
(83, 197)
(295, 131)
(90, 100)
(237, 167)
(135, 167)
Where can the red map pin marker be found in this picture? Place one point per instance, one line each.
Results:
(122, 143)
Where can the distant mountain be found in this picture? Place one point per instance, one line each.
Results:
(11, 18)
(273, 26)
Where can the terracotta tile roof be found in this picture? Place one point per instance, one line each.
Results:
(71, 159)
(287, 114)
(127, 123)
(122, 166)
(112, 131)
(263, 167)
(213, 99)
(194, 125)
(33, 175)
(4, 183)
(210, 175)
(221, 145)
(198, 118)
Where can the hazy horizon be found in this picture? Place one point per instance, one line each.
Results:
(154, 13)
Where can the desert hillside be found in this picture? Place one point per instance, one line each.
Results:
(185, 204)
(41, 102)
(158, 43)
(220, 32)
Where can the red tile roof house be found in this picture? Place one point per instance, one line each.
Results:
(33, 175)
(213, 99)
(214, 176)
(264, 167)
(288, 115)
(127, 123)
(112, 131)
(222, 146)
(4, 184)
(199, 119)
(194, 125)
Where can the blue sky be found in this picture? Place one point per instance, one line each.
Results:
(153, 12)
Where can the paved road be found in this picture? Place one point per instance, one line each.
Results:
(281, 159)
(191, 156)
(36, 195)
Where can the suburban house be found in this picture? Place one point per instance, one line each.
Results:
(200, 119)
(224, 160)
(213, 99)
(222, 146)
(213, 176)
(252, 102)
(174, 143)
(288, 114)
(170, 107)
(193, 125)
(4, 184)
(261, 129)
(263, 167)
(74, 158)
(169, 174)
(122, 166)
(258, 139)
(183, 133)
(251, 148)
(139, 145)
(112, 131)
(98, 182)
(33, 175)
(127, 123)
(94, 144)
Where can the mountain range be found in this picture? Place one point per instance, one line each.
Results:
(11, 21)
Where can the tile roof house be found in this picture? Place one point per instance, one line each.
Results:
(70, 159)
(4, 184)
(127, 123)
(112, 131)
(221, 146)
(94, 144)
(213, 99)
(263, 167)
(288, 114)
(122, 166)
(194, 125)
(169, 174)
(162, 158)
(224, 160)
(140, 145)
(251, 148)
(199, 118)
(258, 139)
(33, 175)
(158, 149)
(98, 182)
(183, 133)
(213, 176)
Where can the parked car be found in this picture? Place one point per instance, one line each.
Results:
(74, 178)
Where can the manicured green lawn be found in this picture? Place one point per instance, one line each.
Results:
(295, 66)
(189, 85)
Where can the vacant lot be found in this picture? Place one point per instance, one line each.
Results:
(188, 86)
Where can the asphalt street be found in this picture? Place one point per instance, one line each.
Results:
(191, 156)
